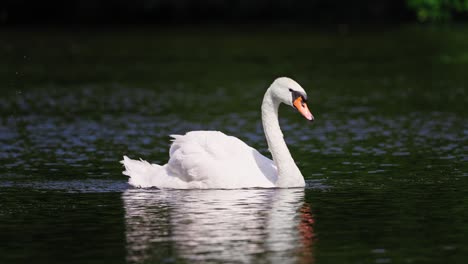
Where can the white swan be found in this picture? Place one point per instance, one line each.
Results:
(213, 160)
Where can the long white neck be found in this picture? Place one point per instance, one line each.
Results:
(289, 174)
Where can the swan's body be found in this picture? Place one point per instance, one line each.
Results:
(211, 159)
(205, 159)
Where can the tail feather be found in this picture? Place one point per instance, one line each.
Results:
(141, 172)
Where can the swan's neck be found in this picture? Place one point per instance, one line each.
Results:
(288, 172)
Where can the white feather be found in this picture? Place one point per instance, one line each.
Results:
(205, 159)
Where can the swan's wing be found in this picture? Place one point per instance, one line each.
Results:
(213, 157)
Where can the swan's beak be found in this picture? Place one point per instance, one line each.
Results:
(301, 106)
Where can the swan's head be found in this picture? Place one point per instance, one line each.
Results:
(289, 92)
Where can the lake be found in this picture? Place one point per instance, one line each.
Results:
(385, 161)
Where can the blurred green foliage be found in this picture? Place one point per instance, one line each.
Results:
(438, 10)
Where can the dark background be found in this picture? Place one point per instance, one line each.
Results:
(82, 12)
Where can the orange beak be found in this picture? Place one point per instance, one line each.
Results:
(301, 106)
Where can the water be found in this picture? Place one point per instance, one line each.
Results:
(218, 225)
(385, 162)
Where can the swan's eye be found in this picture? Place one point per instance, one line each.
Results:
(296, 95)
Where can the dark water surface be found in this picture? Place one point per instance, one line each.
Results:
(385, 161)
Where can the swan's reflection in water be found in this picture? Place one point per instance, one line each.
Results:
(255, 225)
